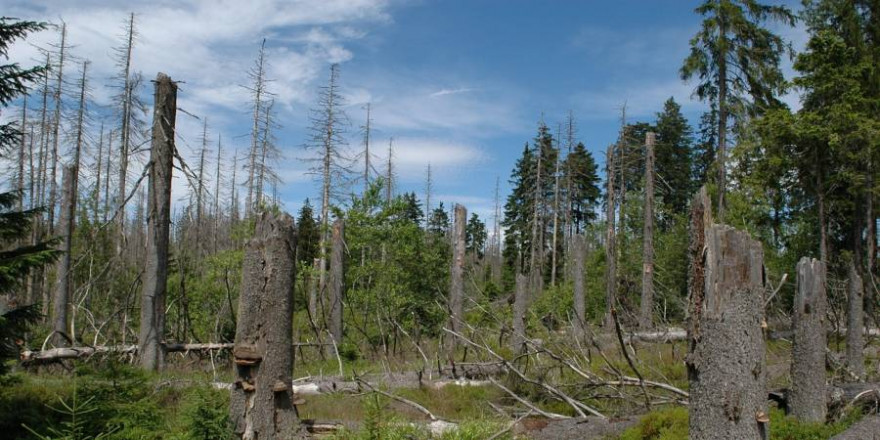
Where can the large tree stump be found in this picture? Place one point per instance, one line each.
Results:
(337, 275)
(520, 299)
(152, 325)
(261, 405)
(726, 357)
(855, 340)
(808, 346)
(456, 277)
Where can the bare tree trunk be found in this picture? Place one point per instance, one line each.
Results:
(646, 315)
(56, 126)
(726, 353)
(456, 275)
(855, 340)
(258, 75)
(808, 346)
(217, 215)
(496, 237)
(610, 252)
(579, 250)
(337, 274)
(22, 148)
(61, 302)
(870, 239)
(555, 223)
(313, 290)
(152, 325)
(99, 169)
(721, 156)
(261, 403)
(520, 304)
(125, 133)
(536, 263)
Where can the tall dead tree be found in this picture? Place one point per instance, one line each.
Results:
(56, 129)
(456, 276)
(328, 139)
(337, 279)
(152, 324)
(726, 353)
(610, 239)
(553, 250)
(579, 251)
(809, 343)
(127, 103)
(261, 402)
(257, 75)
(366, 128)
(520, 304)
(64, 286)
(646, 312)
(855, 340)
(389, 172)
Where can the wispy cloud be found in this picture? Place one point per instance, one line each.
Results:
(444, 92)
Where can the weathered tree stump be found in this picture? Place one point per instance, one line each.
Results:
(261, 405)
(520, 298)
(337, 278)
(726, 353)
(855, 340)
(152, 325)
(808, 346)
(456, 277)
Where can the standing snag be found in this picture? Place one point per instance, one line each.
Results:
(518, 340)
(456, 275)
(579, 250)
(61, 302)
(646, 310)
(261, 405)
(855, 341)
(808, 346)
(726, 353)
(336, 280)
(152, 326)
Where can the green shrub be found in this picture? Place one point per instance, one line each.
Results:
(205, 414)
(665, 424)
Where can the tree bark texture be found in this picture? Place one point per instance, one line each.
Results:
(610, 253)
(456, 275)
(152, 325)
(337, 273)
(520, 301)
(261, 405)
(646, 311)
(808, 346)
(855, 340)
(61, 302)
(579, 251)
(726, 353)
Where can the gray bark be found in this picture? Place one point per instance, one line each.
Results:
(261, 405)
(646, 312)
(520, 301)
(152, 324)
(61, 302)
(726, 353)
(337, 279)
(855, 340)
(456, 275)
(808, 346)
(579, 250)
(610, 253)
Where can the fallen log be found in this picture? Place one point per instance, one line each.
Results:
(61, 353)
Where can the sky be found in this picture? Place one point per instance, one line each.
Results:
(458, 84)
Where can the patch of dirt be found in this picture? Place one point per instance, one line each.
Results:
(573, 429)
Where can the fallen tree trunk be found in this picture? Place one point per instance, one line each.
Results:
(58, 354)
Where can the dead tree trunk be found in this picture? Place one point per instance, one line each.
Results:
(726, 353)
(261, 405)
(152, 326)
(518, 339)
(456, 275)
(646, 312)
(579, 251)
(610, 253)
(855, 341)
(336, 280)
(808, 346)
(61, 302)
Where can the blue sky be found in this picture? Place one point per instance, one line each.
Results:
(458, 84)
